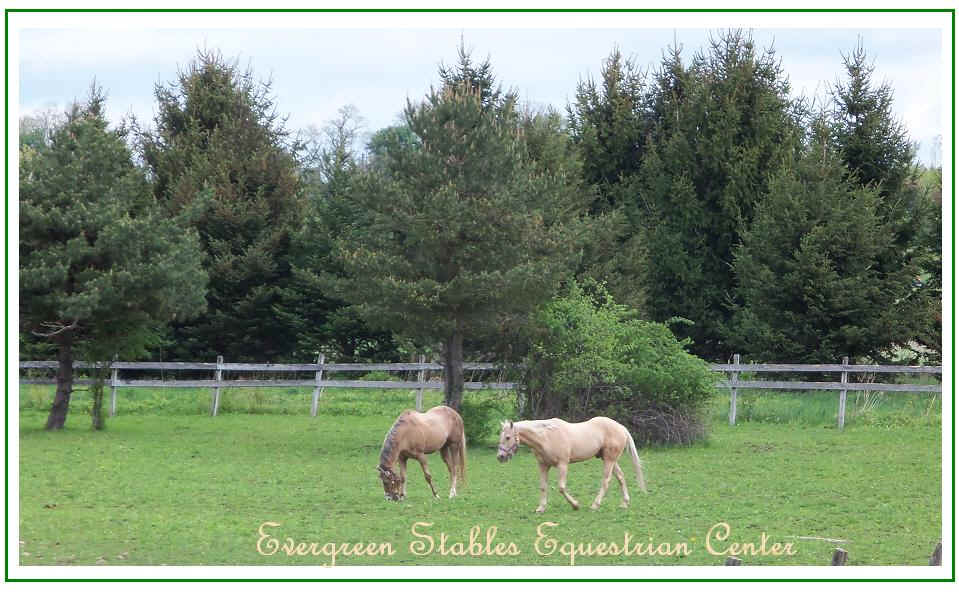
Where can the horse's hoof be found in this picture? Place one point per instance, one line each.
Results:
(575, 506)
(624, 505)
(595, 506)
(540, 510)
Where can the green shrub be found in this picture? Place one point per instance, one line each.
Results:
(482, 416)
(589, 357)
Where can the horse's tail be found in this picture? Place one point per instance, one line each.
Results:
(636, 462)
(461, 458)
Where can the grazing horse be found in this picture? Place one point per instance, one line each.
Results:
(415, 434)
(557, 443)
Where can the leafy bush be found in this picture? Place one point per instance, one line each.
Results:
(482, 416)
(590, 357)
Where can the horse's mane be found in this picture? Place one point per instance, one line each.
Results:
(389, 442)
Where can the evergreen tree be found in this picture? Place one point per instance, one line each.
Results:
(722, 125)
(807, 268)
(323, 322)
(462, 227)
(220, 156)
(102, 268)
(873, 144)
(876, 149)
(609, 125)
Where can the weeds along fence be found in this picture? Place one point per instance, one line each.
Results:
(318, 381)
(734, 382)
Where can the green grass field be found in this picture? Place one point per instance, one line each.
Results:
(167, 484)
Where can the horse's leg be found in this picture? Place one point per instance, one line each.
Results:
(543, 487)
(607, 473)
(622, 483)
(447, 455)
(402, 466)
(426, 472)
(562, 485)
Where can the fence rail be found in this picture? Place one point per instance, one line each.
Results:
(318, 382)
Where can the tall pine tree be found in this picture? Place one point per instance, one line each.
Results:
(463, 228)
(102, 266)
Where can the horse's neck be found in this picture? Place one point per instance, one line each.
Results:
(530, 434)
(392, 444)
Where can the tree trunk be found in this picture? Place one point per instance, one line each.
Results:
(61, 401)
(453, 371)
(96, 411)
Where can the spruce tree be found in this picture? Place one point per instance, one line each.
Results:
(220, 155)
(722, 125)
(322, 322)
(807, 268)
(102, 267)
(873, 144)
(875, 147)
(609, 124)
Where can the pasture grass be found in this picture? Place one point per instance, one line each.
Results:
(165, 484)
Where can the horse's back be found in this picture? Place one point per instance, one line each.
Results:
(595, 437)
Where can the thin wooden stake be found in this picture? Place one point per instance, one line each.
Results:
(842, 394)
(314, 407)
(420, 378)
(839, 557)
(936, 558)
(114, 378)
(216, 390)
(732, 391)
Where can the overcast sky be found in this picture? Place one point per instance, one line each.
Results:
(316, 70)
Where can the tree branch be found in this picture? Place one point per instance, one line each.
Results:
(60, 328)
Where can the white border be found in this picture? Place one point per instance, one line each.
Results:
(99, 21)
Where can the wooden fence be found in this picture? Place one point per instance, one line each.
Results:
(318, 382)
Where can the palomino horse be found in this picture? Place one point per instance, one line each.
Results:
(416, 434)
(557, 443)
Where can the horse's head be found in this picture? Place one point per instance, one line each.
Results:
(508, 442)
(392, 484)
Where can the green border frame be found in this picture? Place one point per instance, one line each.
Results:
(6, 322)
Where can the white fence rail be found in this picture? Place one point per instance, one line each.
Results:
(318, 382)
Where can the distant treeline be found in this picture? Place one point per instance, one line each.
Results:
(701, 193)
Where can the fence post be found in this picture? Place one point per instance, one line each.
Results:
(842, 394)
(732, 390)
(419, 391)
(936, 558)
(114, 377)
(318, 390)
(216, 388)
(839, 557)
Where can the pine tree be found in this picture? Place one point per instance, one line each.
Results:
(220, 156)
(102, 268)
(463, 229)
